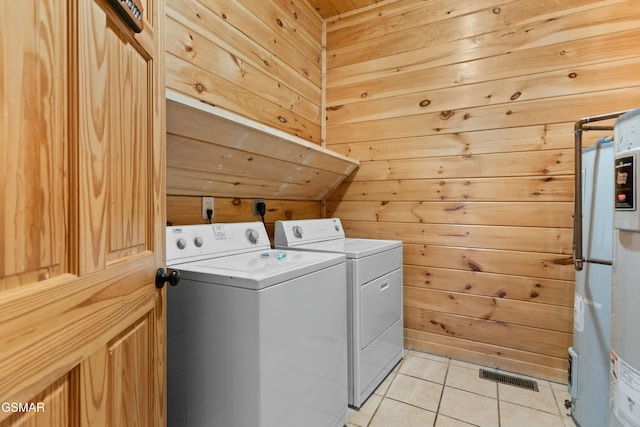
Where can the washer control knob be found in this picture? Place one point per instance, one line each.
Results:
(181, 243)
(198, 241)
(297, 231)
(252, 236)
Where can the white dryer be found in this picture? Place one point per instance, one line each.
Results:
(256, 337)
(374, 283)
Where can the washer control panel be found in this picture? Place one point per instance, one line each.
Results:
(194, 242)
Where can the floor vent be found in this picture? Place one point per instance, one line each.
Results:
(509, 379)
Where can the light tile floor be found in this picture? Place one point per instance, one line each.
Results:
(432, 391)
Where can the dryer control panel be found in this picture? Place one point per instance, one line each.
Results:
(305, 231)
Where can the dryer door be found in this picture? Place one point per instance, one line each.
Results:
(381, 306)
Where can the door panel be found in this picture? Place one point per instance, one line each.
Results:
(115, 382)
(82, 221)
(51, 407)
(130, 363)
(32, 156)
(130, 190)
(116, 136)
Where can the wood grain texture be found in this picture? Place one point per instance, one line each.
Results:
(552, 214)
(212, 151)
(183, 210)
(257, 60)
(52, 407)
(500, 285)
(542, 316)
(132, 140)
(332, 8)
(462, 119)
(523, 338)
(217, 160)
(573, 80)
(491, 141)
(513, 189)
(511, 115)
(518, 26)
(548, 162)
(185, 44)
(130, 365)
(33, 168)
(59, 323)
(520, 263)
(531, 239)
(485, 354)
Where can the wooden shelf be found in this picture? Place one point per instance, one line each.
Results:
(211, 151)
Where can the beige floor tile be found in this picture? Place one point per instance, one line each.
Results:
(427, 356)
(568, 421)
(362, 417)
(468, 379)
(469, 407)
(443, 421)
(415, 391)
(470, 365)
(397, 414)
(558, 386)
(543, 400)
(512, 415)
(427, 369)
(561, 395)
(384, 385)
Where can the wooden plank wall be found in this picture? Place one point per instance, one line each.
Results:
(261, 60)
(462, 116)
(330, 8)
(183, 210)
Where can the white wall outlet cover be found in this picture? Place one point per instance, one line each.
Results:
(207, 203)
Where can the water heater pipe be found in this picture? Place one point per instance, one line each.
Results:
(580, 126)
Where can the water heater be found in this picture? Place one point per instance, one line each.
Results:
(624, 366)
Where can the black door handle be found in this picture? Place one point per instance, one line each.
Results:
(161, 277)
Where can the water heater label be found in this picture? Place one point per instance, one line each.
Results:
(578, 312)
(624, 391)
(624, 193)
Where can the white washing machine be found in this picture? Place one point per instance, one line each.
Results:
(255, 337)
(374, 283)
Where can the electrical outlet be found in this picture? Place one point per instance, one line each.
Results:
(207, 203)
(255, 205)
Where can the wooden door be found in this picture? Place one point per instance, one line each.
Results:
(82, 325)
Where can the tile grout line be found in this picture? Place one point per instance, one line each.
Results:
(559, 408)
(557, 412)
(498, 397)
(384, 395)
(444, 384)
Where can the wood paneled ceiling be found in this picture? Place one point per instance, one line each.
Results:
(330, 8)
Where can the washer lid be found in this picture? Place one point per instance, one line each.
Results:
(352, 247)
(257, 270)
